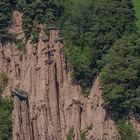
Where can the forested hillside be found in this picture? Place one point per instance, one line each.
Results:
(94, 24)
(101, 39)
(94, 27)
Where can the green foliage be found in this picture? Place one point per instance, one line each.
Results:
(21, 46)
(83, 133)
(5, 119)
(80, 61)
(120, 77)
(36, 12)
(126, 131)
(90, 28)
(89, 32)
(95, 26)
(4, 79)
(5, 110)
(70, 134)
(5, 14)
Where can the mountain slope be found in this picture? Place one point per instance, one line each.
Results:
(83, 86)
(54, 105)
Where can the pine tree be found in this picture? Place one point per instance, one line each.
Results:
(120, 77)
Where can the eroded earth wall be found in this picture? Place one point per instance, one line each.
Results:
(54, 105)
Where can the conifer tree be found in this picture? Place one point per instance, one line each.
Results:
(120, 77)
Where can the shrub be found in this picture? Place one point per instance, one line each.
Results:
(5, 110)
(126, 131)
(4, 79)
(83, 135)
(70, 134)
(21, 46)
(6, 119)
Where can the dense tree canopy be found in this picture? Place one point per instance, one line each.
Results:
(97, 25)
(36, 12)
(121, 77)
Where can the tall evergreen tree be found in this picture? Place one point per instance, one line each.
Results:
(120, 77)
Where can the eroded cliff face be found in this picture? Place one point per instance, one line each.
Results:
(54, 107)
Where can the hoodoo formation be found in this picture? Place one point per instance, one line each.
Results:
(54, 105)
(49, 77)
